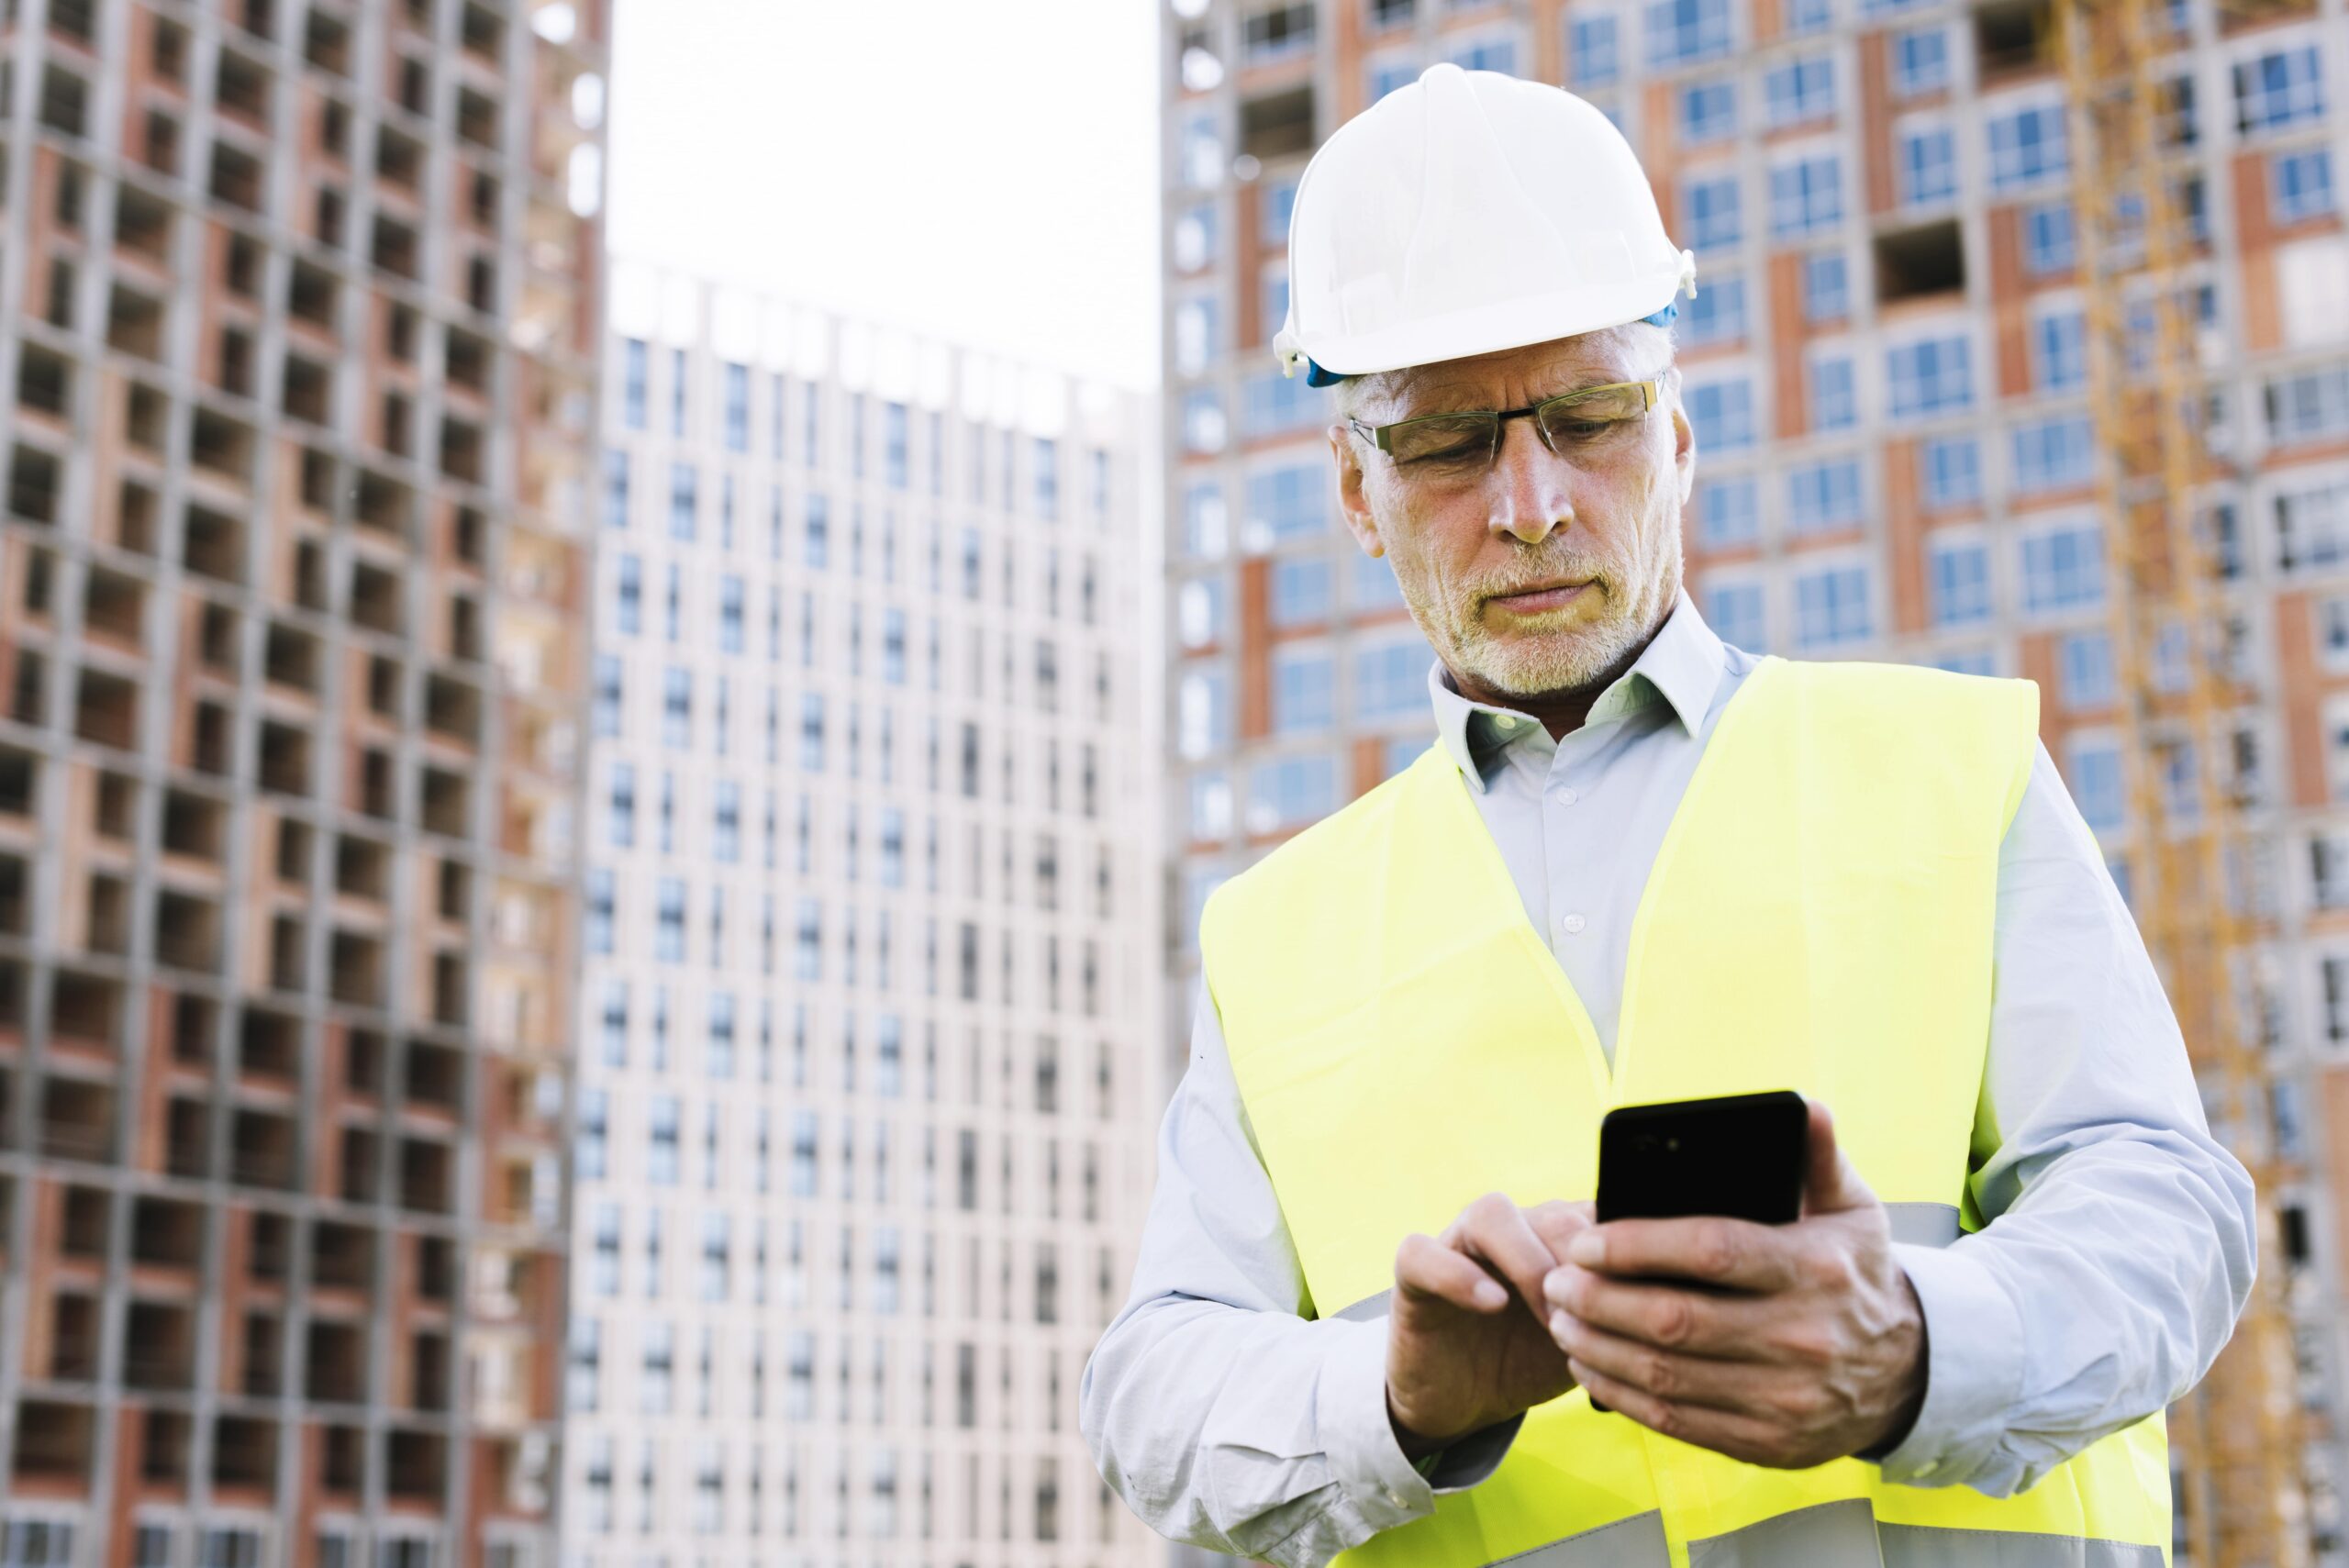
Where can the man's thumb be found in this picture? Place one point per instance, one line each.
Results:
(1831, 1182)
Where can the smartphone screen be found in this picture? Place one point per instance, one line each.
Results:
(1740, 1155)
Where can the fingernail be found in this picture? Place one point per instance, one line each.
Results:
(1489, 1295)
(1558, 1325)
(1586, 1248)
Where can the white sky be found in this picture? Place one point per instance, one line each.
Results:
(985, 170)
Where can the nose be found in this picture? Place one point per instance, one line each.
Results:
(1527, 486)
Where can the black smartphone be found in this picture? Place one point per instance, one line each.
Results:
(1740, 1155)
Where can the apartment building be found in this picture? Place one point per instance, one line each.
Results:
(1886, 366)
(296, 310)
(871, 946)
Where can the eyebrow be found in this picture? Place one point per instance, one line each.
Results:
(1577, 386)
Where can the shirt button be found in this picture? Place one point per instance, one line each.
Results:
(1394, 1497)
(1571, 924)
(1505, 721)
(1563, 795)
(1929, 1467)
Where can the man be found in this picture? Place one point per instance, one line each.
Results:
(1371, 1313)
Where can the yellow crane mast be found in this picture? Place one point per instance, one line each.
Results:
(2237, 1445)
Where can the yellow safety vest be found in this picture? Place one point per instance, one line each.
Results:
(1820, 917)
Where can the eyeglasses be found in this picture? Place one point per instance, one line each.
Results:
(1583, 422)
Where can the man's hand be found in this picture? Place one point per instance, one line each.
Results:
(1796, 1344)
(1465, 1344)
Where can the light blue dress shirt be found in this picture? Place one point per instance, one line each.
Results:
(2117, 1252)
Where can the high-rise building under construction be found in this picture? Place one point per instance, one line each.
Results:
(1892, 366)
(871, 955)
(299, 304)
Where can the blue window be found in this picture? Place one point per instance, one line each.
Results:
(1374, 587)
(2085, 660)
(2059, 345)
(1304, 692)
(1709, 112)
(622, 828)
(1968, 661)
(677, 392)
(2096, 782)
(894, 445)
(1960, 572)
(676, 706)
(1385, 75)
(1193, 236)
(1800, 90)
(2300, 185)
(1826, 287)
(1390, 680)
(1716, 316)
(738, 409)
(1951, 471)
(1722, 412)
(730, 589)
(2027, 146)
(1803, 16)
(606, 714)
(1729, 512)
(1823, 496)
(1487, 55)
(1928, 166)
(1046, 455)
(628, 616)
(2048, 244)
(1832, 607)
(726, 821)
(1919, 61)
(1203, 421)
(614, 488)
(817, 543)
(1279, 199)
(1290, 793)
(1712, 213)
(811, 731)
(2053, 454)
(1204, 522)
(1300, 592)
(1734, 612)
(1287, 502)
(683, 483)
(1681, 32)
(1807, 196)
(600, 900)
(2286, 88)
(1835, 393)
(668, 932)
(1593, 56)
(1274, 402)
(1400, 753)
(1932, 376)
(2062, 568)
(634, 381)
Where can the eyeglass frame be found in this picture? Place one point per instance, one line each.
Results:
(1651, 390)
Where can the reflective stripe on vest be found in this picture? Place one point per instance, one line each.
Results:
(1830, 1535)
(1819, 917)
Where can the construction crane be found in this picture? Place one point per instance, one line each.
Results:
(2237, 1444)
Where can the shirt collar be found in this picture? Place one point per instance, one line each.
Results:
(1681, 666)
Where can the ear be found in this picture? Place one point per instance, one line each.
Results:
(1684, 437)
(1353, 502)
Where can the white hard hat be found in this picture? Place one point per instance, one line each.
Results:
(1466, 212)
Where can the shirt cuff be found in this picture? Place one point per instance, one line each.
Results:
(1474, 1457)
(1350, 1412)
(1973, 1364)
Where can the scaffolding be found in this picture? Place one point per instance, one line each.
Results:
(2238, 1451)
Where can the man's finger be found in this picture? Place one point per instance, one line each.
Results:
(1726, 1327)
(1494, 1230)
(1831, 1182)
(1723, 1431)
(1708, 1248)
(1427, 1269)
(1558, 1222)
(1663, 1375)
